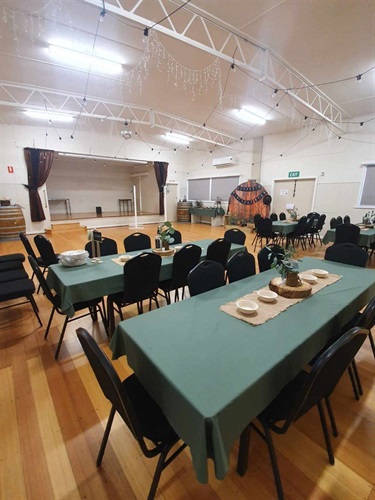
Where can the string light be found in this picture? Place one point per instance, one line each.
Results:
(359, 78)
(274, 93)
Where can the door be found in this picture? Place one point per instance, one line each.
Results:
(297, 191)
(171, 199)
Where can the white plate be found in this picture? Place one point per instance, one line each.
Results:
(310, 278)
(320, 273)
(247, 306)
(267, 295)
(124, 258)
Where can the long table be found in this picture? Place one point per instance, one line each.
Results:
(212, 373)
(215, 215)
(76, 284)
(366, 237)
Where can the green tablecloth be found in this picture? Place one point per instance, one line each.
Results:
(284, 227)
(366, 237)
(212, 373)
(76, 284)
(207, 212)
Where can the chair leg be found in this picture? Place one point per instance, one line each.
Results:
(35, 307)
(357, 379)
(372, 342)
(326, 433)
(49, 322)
(331, 417)
(105, 437)
(243, 450)
(61, 337)
(104, 319)
(352, 380)
(159, 469)
(275, 467)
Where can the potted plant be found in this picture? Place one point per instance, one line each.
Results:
(293, 212)
(166, 231)
(286, 265)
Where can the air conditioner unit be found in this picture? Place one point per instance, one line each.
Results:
(223, 162)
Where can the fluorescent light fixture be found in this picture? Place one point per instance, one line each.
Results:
(251, 117)
(177, 138)
(49, 115)
(106, 158)
(83, 60)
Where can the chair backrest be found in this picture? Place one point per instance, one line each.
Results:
(177, 237)
(137, 241)
(241, 265)
(45, 249)
(321, 221)
(339, 219)
(110, 384)
(205, 276)
(264, 227)
(325, 374)
(301, 225)
(347, 233)
(333, 223)
(273, 217)
(107, 247)
(42, 281)
(314, 215)
(346, 219)
(256, 218)
(235, 235)
(183, 262)
(282, 216)
(26, 243)
(310, 222)
(264, 258)
(218, 251)
(141, 277)
(347, 253)
(367, 318)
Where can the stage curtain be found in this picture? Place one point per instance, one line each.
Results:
(39, 163)
(161, 172)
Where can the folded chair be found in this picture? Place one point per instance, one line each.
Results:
(135, 406)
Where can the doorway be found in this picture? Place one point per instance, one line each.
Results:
(171, 198)
(301, 192)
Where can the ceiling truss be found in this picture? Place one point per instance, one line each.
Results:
(223, 41)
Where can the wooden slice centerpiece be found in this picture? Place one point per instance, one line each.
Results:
(162, 252)
(279, 286)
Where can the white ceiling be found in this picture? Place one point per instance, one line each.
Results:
(317, 41)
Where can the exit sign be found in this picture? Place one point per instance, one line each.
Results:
(293, 174)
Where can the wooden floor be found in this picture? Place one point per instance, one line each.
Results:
(53, 416)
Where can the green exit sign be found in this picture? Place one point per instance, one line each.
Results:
(293, 174)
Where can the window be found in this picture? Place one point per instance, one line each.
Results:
(367, 191)
(210, 188)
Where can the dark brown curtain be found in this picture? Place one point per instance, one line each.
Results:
(161, 172)
(39, 163)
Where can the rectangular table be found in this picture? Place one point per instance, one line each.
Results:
(212, 373)
(76, 284)
(68, 209)
(284, 227)
(216, 215)
(366, 237)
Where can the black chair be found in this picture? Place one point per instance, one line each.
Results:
(307, 390)
(314, 215)
(298, 235)
(308, 231)
(93, 306)
(333, 223)
(316, 229)
(107, 247)
(264, 258)
(137, 241)
(241, 265)
(183, 262)
(347, 233)
(235, 235)
(339, 220)
(346, 219)
(141, 281)
(218, 251)
(263, 230)
(15, 283)
(135, 406)
(46, 250)
(347, 253)
(282, 216)
(30, 251)
(273, 217)
(177, 238)
(205, 276)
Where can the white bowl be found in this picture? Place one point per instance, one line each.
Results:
(267, 295)
(310, 278)
(247, 306)
(124, 258)
(178, 247)
(320, 273)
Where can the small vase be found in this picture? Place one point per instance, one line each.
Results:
(165, 245)
(293, 279)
